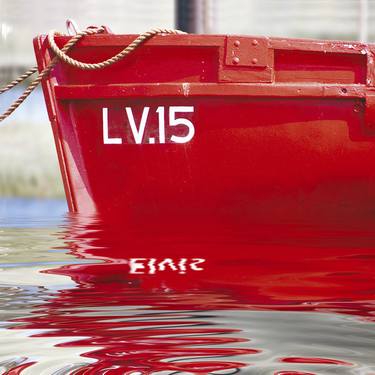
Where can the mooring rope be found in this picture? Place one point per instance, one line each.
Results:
(61, 55)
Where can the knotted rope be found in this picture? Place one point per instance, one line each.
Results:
(61, 55)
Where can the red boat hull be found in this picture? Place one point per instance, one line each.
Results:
(240, 129)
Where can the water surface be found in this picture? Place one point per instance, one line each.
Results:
(87, 295)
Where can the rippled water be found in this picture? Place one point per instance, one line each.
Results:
(84, 295)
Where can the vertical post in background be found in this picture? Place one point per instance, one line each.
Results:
(363, 20)
(185, 15)
(195, 16)
(210, 16)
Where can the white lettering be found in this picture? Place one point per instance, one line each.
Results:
(182, 265)
(165, 135)
(193, 264)
(106, 139)
(173, 121)
(135, 265)
(138, 134)
(160, 112)
(151, 266)
(165, 262)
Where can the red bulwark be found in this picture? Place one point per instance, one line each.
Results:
(240, 129)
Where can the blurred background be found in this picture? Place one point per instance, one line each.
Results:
(28, 164)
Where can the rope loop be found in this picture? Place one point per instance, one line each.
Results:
(100, 65)
(61, 54)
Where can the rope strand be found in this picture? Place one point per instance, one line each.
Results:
(100, 65)
(61, 55)
(18, 80)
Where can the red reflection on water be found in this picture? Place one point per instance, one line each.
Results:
(20, 368)
(268, 268)
(293, 373)
(305, 267)
(321, 361)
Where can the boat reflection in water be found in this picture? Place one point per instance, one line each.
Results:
(159, 298)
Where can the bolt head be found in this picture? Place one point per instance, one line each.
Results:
(254, 61)
(254, 42)
(236, 60)
(237, 43)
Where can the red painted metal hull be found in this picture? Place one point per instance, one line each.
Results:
(283, 130)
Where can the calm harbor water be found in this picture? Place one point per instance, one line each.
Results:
(86, 295)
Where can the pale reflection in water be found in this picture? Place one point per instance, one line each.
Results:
(297, 302)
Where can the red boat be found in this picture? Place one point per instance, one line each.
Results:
(240, 129)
